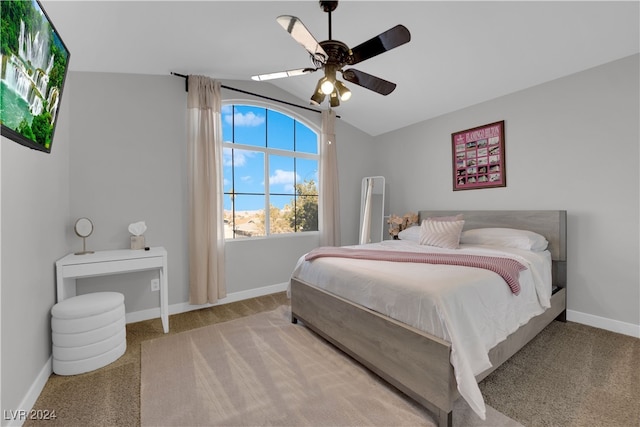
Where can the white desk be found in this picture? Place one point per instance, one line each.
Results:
(102, 263)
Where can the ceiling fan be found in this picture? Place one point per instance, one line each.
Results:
(333, 55)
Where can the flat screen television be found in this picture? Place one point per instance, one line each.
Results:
(33, 67)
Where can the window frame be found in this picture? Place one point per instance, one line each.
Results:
(313, 127)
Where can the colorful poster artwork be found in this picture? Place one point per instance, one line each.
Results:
(478, 157)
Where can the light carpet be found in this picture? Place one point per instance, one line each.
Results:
(264, 370)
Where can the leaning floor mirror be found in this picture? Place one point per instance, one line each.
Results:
(372, 210)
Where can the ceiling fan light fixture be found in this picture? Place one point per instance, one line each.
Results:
(332, 55)
(343, 91)
(318, 96)
(327, 86)
(334, 99)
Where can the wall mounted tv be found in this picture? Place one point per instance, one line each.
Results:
(33, 67)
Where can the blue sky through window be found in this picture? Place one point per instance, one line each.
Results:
(259, 129)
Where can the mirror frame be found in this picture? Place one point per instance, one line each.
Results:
(376, 213)
(81, 223)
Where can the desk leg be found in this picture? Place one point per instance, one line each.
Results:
(66, 288)
(164, 297)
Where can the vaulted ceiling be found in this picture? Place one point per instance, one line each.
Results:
(460, 53)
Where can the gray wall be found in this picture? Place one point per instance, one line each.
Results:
(35, 213)
(128, 163)
(571, 144)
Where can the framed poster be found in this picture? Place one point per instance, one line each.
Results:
(478, 157)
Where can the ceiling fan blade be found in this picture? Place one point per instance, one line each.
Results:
(383, 42)
(368, 81)
(282, 74)
(299, 32)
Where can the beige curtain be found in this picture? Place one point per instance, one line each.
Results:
(204, 158)
(329, 194)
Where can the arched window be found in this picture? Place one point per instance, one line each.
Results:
(270, 172)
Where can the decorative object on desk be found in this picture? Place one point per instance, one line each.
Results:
(83, 228)
(137, 229)
(399, 223)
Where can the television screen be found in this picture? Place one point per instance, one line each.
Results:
(33, 67)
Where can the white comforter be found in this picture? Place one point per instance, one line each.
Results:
(474, 309)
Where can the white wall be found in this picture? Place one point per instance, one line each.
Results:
(571, 144)
(35, 211)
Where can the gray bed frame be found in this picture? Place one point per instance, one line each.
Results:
(415, 362)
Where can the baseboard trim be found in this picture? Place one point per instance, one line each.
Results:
(572, 315)
(604, 323)
(19, 415)
(154, 313)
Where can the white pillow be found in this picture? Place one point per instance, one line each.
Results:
(412, 233)
(443, 234)
(505, 237)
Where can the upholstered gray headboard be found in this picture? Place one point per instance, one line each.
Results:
(552, 224)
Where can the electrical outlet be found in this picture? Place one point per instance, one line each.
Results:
(155, 285)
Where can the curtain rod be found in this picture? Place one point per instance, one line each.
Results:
(249, 93)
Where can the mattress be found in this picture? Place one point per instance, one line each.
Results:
(472, 308)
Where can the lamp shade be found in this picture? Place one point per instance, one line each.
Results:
(318, 96)
(334, 100)
(343, 91)
(326, 86)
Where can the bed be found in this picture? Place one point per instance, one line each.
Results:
(416, 362)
